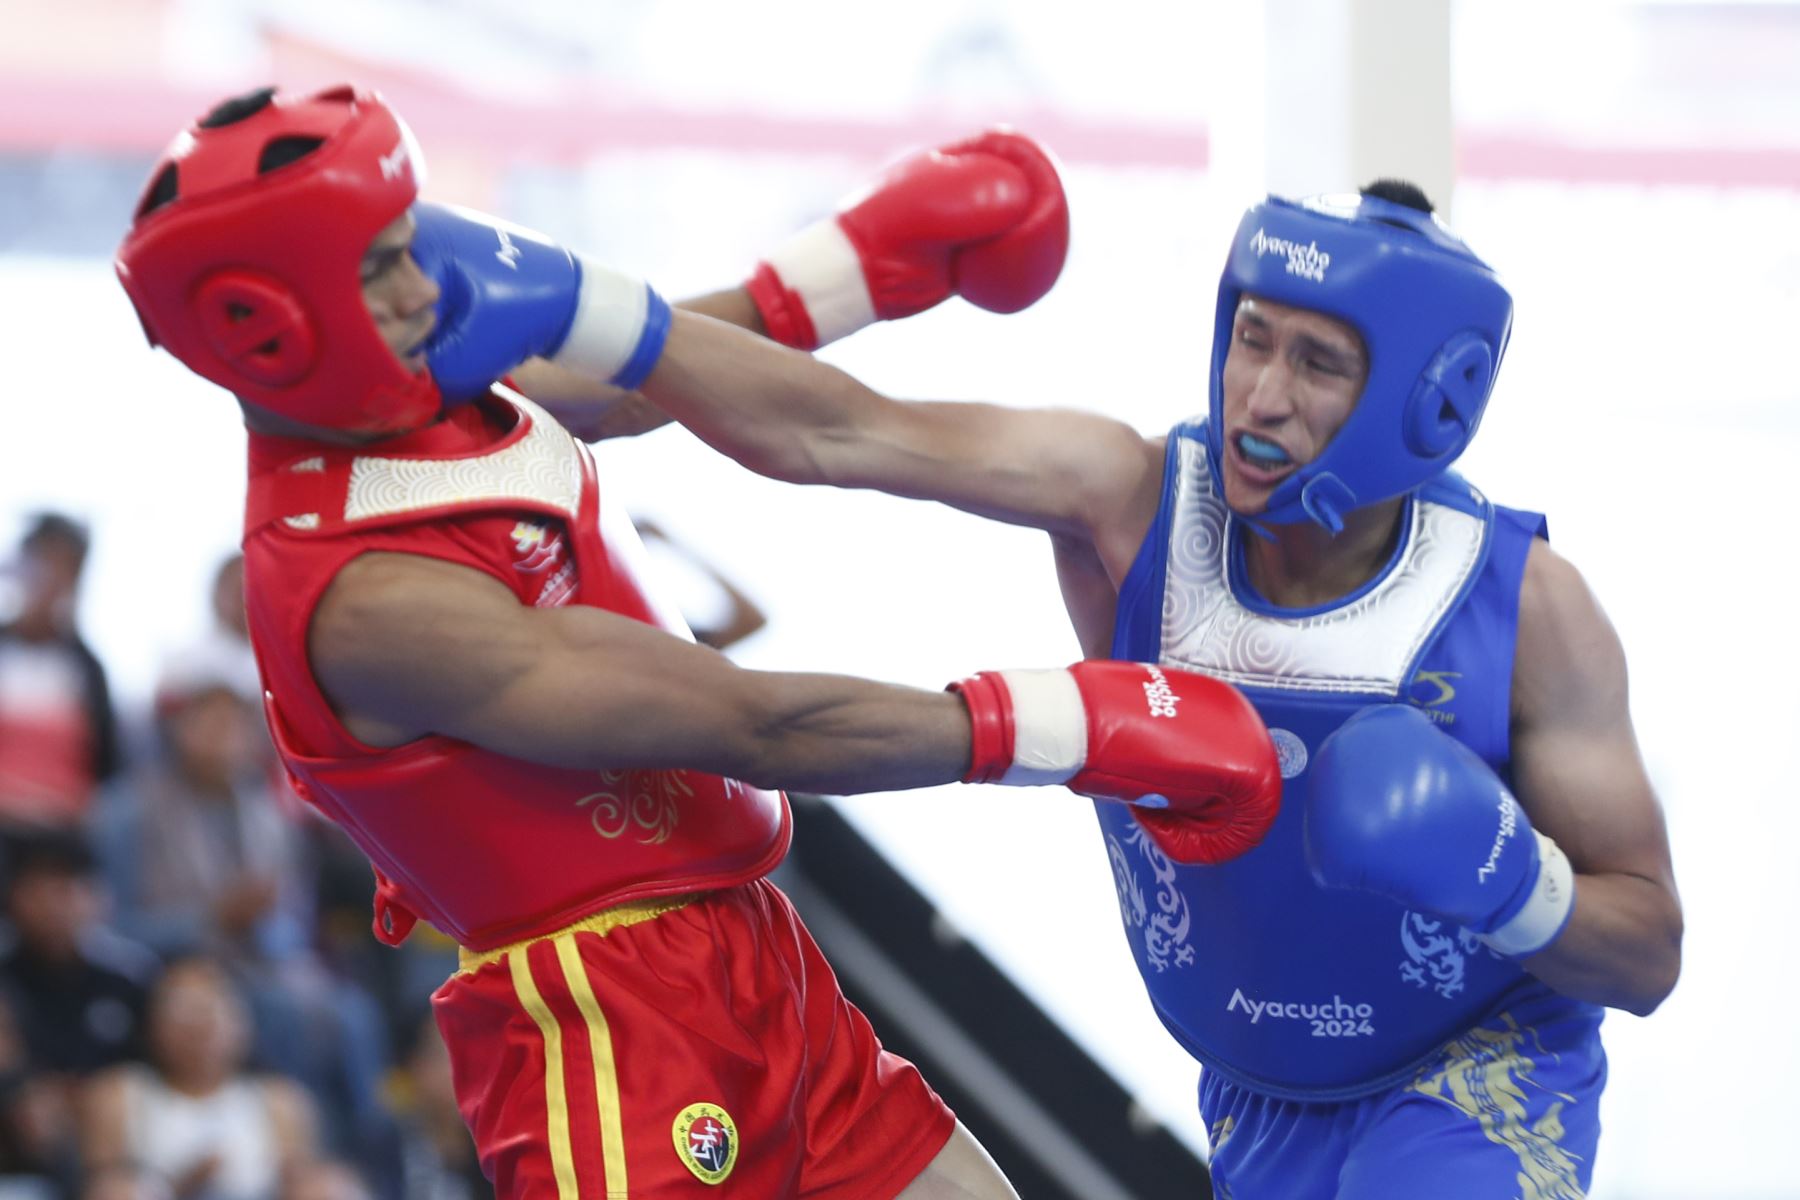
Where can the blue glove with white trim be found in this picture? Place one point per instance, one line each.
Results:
(509, 294)
(1401, 808)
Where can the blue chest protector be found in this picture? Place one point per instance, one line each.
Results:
(1281, 986)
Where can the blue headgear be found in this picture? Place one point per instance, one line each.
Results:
(1433, 317)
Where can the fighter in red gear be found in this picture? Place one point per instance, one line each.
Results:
(465, 672)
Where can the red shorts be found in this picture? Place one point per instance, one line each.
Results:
(698, 1050)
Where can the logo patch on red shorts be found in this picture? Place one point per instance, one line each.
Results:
(706, 1139)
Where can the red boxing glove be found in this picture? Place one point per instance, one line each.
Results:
(983, 218)
(1188, 752)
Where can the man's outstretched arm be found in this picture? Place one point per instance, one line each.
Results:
(582, 687)
(793, 418)
(984, 218)
(405, 646)
(789, 416)
(594, 410)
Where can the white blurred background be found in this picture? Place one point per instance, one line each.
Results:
(1632, 168)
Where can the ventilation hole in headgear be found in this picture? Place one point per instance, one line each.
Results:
(230, 112)
(284, 150)
(235, 312)
(1448, 415)
(161, 192)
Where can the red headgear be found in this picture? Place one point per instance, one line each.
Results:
(252, 277)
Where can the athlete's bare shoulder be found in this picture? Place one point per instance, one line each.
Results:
(1569, 663)
(1119, 529)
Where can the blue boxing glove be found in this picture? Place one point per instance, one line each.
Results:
(508, 294)
(1400, 808)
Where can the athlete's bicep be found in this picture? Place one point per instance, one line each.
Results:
(1576, 762)
(405, 646)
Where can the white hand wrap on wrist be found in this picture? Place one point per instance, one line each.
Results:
(821, 266)
(611, 321)
(1049, 727)
(1546, 912)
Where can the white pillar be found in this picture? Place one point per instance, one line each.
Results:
(1347, 91)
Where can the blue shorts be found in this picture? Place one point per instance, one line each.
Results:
(1508, 1111)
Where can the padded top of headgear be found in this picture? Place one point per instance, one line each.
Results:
(244, 260)
(1434, 319)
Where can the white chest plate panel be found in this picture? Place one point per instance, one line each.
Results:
(1363, 646)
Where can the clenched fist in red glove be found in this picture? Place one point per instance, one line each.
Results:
(1187, 751)
(984, 218)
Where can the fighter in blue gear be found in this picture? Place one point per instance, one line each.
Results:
(1398, 993)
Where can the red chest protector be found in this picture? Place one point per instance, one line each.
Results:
(488, 848)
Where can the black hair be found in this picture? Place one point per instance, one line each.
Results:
(49, 528)
(1401, 191)
(49, 852)
(278, 153)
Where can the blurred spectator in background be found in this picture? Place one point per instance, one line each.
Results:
(203, 856)
(195, 1116)
(325, 1179)
(58, 738)
(226, 646)
(431, 1156)
(400, 978)
(25, 1165)
(78, 989)
(126, 1182)
(197, 849)
(716, 611)
(229, 617)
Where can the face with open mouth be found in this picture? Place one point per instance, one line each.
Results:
(398, 294)
(1292, 377)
